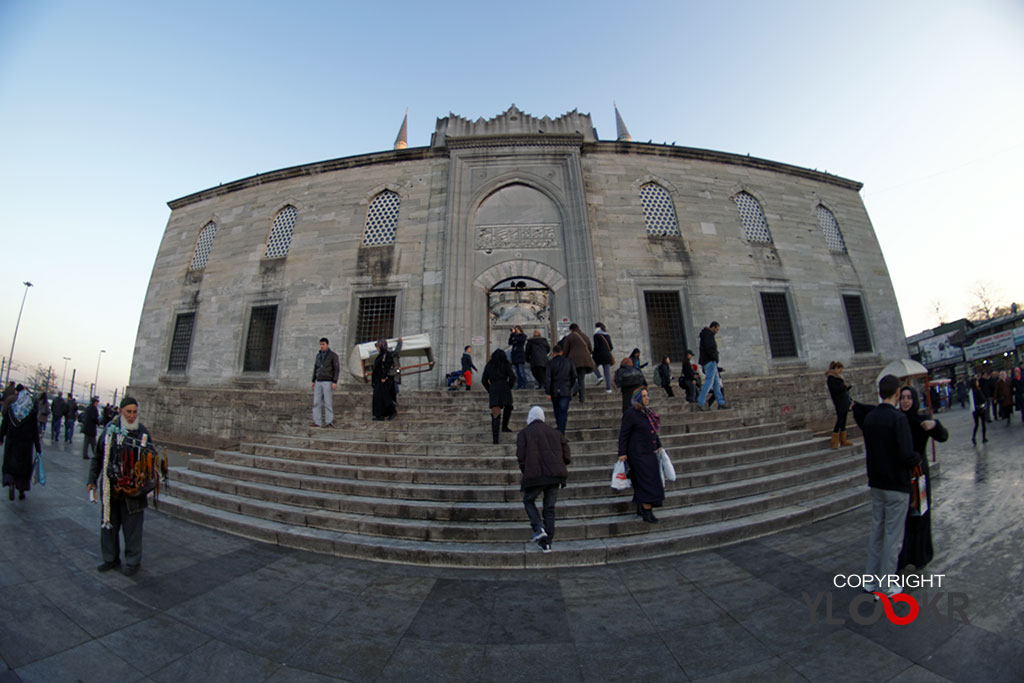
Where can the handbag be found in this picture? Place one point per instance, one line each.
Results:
(918, 493)
(620, 478)
(38, 472)
(668, 471)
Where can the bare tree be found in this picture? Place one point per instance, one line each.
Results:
(40, 379)
(984, 302)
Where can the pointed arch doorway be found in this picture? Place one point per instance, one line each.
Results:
(520, 301)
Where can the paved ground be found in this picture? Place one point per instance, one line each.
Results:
(211, 607)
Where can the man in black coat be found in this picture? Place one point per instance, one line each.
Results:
(537, 350)
(543, 454)
(121, 513)
(326, 369)
(709, 364)
(890, 457)
(558, 384)
(70, 417)
(57, 410)
(90, 420)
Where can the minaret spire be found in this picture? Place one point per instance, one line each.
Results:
(402, 141)
(621, 132)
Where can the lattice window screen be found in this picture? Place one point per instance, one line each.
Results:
(858, 321)
(830, 229)
(381, 219)
(181, 342)
(665, 324)
(376, 318)
(755, 226)
(659, 210)
(281, 233)
(260, 341)
(779, 324)
(203, 246)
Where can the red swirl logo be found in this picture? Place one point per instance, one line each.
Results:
(890, 613)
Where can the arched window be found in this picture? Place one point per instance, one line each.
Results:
(755, 227)
(203, 245)
(830, 229)
(381, 219)
(281, 233)
(659, 211)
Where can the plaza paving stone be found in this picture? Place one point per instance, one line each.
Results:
(210, 606)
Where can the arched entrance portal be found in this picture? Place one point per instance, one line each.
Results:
(518, 301)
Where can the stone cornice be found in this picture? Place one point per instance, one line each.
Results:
(514, 141)
(650, 149)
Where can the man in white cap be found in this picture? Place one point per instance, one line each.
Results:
(543, 455)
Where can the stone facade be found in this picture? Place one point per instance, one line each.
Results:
(515, 219)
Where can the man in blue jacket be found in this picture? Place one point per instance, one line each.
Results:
(890, 458)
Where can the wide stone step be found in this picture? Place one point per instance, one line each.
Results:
(504, 473)
(390, 505)
(655, 541)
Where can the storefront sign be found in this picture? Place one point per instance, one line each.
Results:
(991, 345)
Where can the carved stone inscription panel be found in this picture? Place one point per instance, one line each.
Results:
(541, 236)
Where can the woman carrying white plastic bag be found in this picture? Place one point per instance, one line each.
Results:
(620, 479)
(668, 470)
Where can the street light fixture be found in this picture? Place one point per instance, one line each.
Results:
(65, 375)
(96, 382)
(10, 358)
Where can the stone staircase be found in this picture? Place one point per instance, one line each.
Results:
(429, 488)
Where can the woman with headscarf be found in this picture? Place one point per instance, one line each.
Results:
(1004, 397)
(638, 448)
(19, 434)
(839, 390)
(498, 379)
(917, 534)
(385, 372)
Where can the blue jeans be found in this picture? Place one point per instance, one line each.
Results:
(560, 406)
(55, 430)
(520, 369)
(607, 371)
(711, 380)
(69, 429)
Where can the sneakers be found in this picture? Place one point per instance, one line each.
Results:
(544, 545)
(539, 536)
(723, 406)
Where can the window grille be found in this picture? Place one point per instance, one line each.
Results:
(260, 341)
(659, 210)
(755, 227)
(858, 323)
(281, 233)
(376, 318)
(830, 229)
(665, 325)
(181, 342)
(381, 219)
(203, 245)
(779, 324)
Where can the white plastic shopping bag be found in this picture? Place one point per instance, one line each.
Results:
(620, 480)
(668, 471)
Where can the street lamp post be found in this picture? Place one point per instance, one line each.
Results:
(65, 375)
(96, 382)
(10, 358)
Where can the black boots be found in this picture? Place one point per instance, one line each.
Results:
(506, 415)
(495, 427)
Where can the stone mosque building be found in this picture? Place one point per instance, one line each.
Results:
(514, 220)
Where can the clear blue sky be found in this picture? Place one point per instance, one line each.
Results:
(110, 109)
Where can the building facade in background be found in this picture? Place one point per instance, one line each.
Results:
(516, 220)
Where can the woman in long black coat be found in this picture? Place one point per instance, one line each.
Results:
(917, 535)
(19, 434)
(498, 379)
(385, 372)
(638, 447)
